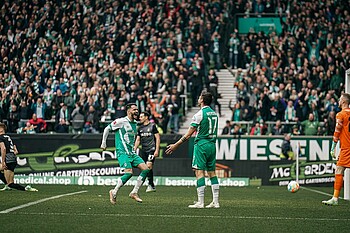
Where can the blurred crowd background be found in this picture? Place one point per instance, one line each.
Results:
(72, 66)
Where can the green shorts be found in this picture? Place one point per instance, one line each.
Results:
(129, 161)
(204, 156)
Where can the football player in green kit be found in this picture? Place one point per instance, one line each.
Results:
(205, 122)
(125, 133)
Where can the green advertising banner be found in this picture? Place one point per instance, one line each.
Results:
(310, 173)
(75, 155)
(265, 24)
(108, 180)
(269, 148)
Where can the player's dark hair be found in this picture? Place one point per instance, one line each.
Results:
(346, 97)
(3, 125)
(207, 97)
(129, 105)
(146, 114)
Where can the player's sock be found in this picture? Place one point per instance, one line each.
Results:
(17, 186)
(121, 181)
(140, 179)
(125, 178)
(215, 188)
(2, 177)
(150, 178)
(338, 183)
(200, 189)
(144, 174)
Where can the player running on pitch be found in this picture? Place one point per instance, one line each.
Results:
(125, 133)
(149, 137)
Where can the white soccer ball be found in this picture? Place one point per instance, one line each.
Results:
(293, 186)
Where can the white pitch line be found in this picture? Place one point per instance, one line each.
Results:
(319, 192)
(185, 216)
(39, 201)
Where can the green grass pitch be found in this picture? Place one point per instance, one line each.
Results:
(246, 209)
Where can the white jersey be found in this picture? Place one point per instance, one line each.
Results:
(125, 135)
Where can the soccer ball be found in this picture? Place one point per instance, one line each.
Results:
(293, 186)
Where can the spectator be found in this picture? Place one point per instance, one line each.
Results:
(57, 100)
(237, 112)
(253, 98)
(246, 110)
(315, 111)
(277, 129)
(226, 130)
(310, 125)
(39, 108)
(13, 118)
(109, 113)
(69, 102)
(332, 106)
(258, 117)
(173, 113)
(213, 88)
(234, 45)
(91, 121)
(215, 50)
(62, 126)
(141, 103)
(264, 104)
(295, 130)
(24, 113)
(287, 152)
(77, 117)
(181, 86)
(242, 93)
(63, 113)
(277, 109)
(29, 128)
(330, 123)
(290, 113)
(38, 123)
(257, 129)
(236, 130)
(156, 107)
(48, 96)
(196, 83)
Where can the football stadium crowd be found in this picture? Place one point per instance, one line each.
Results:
(76, 64)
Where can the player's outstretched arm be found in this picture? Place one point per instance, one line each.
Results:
(137, 142)
(172, 147)
(104, 138)
(157, 137)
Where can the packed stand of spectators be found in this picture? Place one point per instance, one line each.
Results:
(296, 76)
(78, 63)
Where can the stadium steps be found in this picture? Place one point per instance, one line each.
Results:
(228, 92)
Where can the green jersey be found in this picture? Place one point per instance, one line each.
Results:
(125, 135)
(310, 127)
(206, 123)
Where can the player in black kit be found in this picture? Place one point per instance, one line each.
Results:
(9, 162)
(149, 137)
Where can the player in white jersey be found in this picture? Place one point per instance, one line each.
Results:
(125, 134)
